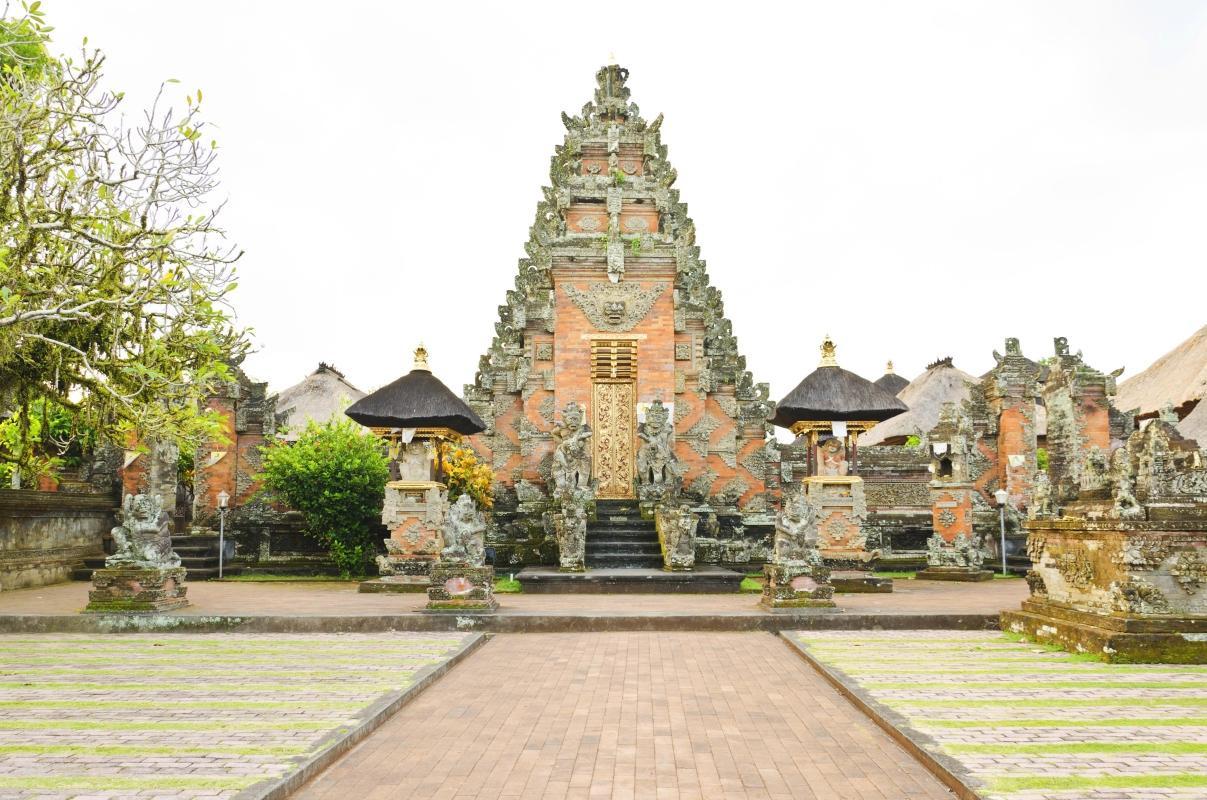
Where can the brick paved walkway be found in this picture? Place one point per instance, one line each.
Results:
(185, 715)
(629, 715)
(342, 599)
(1033, 723)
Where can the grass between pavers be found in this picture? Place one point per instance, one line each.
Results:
(1066, 783)
(1114, 722)
(1078, 748)
(169, 704)
(151, 750)
(171, 725)
(1087, 684)
(250, 686)
(116, 782)
(1032, 676)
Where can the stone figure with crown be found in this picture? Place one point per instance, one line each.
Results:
(796, 576)
(573, 488)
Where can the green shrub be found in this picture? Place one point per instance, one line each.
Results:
(335, 476)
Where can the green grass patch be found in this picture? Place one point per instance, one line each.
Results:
(111, 782)
(1071, 748)
(751, 586)
(508, 586)
(1066, 783)
(897, 575)
(270, 577)
(1114, 722)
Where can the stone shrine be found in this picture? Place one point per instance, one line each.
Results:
(144, 575)
(953, 551)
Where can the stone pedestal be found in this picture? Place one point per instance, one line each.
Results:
(793, 586)
(414, 512)
(137, 590)
(1125, 590)
(841, 508)
(461, 587)
(966, 574)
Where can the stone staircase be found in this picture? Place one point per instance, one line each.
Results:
(198, 554)
(620, 539)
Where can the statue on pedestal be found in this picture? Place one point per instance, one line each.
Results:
(464, 532)
(658, 474)
(796, 576)
(144, 574)
(572, 456)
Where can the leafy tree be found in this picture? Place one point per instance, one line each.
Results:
(335, 475)
(114, 276)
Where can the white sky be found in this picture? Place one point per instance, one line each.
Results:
(916, 179)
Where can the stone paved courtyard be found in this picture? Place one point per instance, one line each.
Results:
(1032, 723)
(629, 715)
(185, 715)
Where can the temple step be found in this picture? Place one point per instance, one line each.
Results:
(622, 561)
(704, 579)
(198, 554)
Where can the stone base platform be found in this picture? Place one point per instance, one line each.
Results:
(860, 582)
(701, 580)
(1123, 639)
(461, 587)
(396, 583)
(129, 590)
(954, 574)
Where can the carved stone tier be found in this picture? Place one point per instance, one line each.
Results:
(461, 587)
(1127, 590)
(137, 590)
(414, 513)
(841, 508)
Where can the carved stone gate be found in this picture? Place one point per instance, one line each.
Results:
(614, 412)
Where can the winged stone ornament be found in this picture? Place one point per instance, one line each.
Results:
(616, 306)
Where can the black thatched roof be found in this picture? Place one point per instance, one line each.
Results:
(891, 382)
(416, 400)
(832, 393)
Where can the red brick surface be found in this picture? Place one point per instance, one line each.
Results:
(631, 715)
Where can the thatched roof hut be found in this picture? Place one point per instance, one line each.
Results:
(890, 381)
(1194, 426)
(925, 395)
(321, 396)
(831, 393)
(1179, 378)
(416, 400)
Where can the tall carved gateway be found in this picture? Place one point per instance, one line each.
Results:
(612, 310)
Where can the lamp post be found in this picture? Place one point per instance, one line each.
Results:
(1001, 495)
(223, 499)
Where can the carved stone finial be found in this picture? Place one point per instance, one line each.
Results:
(421, 358)
(829, 357)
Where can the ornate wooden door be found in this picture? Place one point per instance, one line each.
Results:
(615, 411)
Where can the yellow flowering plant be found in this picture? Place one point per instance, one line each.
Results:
(465, 474)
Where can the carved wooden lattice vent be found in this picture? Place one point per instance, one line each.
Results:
(614, 360)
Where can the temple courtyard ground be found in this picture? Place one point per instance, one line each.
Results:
(867, 713)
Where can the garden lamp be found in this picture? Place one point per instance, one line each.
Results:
(1001, 496)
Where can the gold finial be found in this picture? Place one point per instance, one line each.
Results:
(612, 59)
(888, 369)
(828, 358)
(421, 358)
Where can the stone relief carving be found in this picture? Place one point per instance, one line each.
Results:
(677, 533)
(964, 551)
(1076, 568)
(464, 533)
(1189, 570)
(143, 538)
(1136, 596)
(616, 306)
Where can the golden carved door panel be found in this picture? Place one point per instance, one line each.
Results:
(615, 412)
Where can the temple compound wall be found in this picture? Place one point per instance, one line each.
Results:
(44, 536)
(612, 309)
